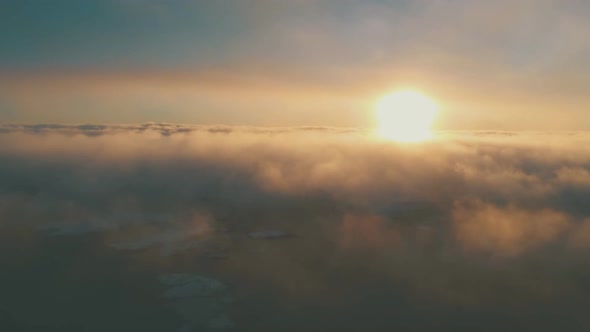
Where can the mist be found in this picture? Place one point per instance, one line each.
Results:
(472, 229)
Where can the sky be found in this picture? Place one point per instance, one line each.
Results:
(508, 65)
(484, 231)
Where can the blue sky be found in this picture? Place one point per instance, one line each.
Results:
(68, 33)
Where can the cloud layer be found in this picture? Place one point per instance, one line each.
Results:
(500, 184)
(497, 208)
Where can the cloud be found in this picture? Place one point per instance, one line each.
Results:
(367, 232)
(580, 238)
(76, 170)
(506, 231)
(473, 219)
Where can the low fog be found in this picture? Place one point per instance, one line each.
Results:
(472, 230)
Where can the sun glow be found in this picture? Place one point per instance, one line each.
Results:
(405, 116)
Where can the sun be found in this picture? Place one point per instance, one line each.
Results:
(405, 116)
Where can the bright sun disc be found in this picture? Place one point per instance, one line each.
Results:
(405, 116)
